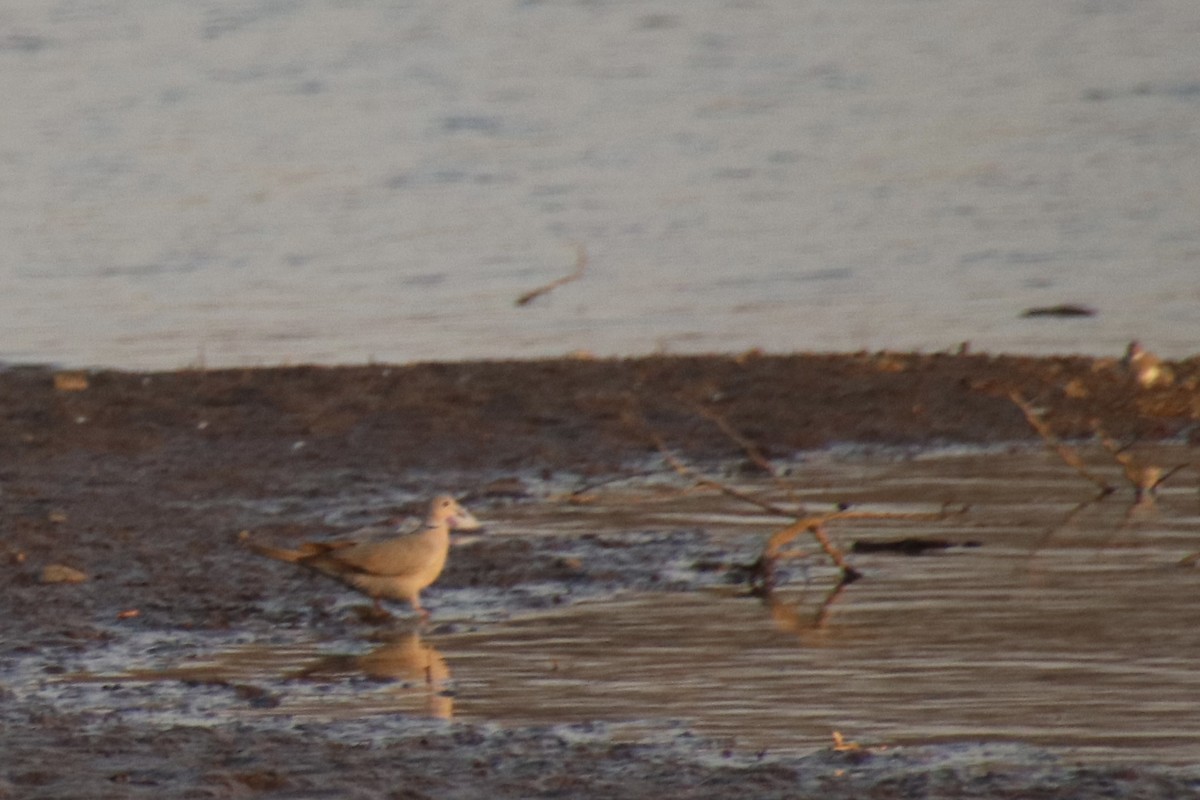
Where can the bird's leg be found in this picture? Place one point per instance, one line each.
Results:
(374, 613)
(422, 612)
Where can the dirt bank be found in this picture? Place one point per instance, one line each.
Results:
(573, 414)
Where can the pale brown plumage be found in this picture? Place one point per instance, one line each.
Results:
(1147, 369)
(397, 568)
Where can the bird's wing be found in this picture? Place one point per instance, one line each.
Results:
(399, 555)
(306, 550)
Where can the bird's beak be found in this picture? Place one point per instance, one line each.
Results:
(464, 520)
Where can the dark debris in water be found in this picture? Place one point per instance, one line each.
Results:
(1062, 310)
(908, 546)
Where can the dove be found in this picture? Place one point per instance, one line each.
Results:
(1147, 368)
(396, 568)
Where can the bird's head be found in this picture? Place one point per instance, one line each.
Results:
(446, 510)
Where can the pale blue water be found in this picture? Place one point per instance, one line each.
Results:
(272, 182)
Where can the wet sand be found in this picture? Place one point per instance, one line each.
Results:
(143, 482)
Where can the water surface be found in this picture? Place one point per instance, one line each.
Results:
(270, 182)
(1061, 620)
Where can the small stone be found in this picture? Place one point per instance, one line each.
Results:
(70, 381)
(505, 487)
(1075, 389)
(60, 573)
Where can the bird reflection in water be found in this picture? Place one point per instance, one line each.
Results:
(405, 659)
(417, 669)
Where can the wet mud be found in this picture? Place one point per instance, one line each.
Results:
(147, 485)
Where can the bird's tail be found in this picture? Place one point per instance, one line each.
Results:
(282, 554)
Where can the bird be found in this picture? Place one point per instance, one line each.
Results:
(398, 567)
(1147, 369)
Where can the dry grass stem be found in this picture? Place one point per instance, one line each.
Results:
(581, 262)
(711, 483)
(1068, 454)
(752, 450)
(1140, 476)
(578, 494)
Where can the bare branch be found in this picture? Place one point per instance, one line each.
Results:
(752, 450)
(1169, 473)
(1145, 478)
(1067, 454)
(710, 483)
(581, 262)
(773, 551)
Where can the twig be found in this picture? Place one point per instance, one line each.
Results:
(1062, 523)
(841, 745)
(752, 450)
(576, 494)
(1145, 478)
(816, 526)
(1140, 476)
(710, 483)
(1169, 473)
(763, 570)
(581, 262)
(772, 552)
(1067, 454)
(766, 562)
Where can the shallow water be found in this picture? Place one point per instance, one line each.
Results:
(1069, 625)
(1083, 636)
(263, 182)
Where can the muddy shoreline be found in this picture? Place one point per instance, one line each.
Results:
(143, 482)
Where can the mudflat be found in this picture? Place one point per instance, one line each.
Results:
(143, 481)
